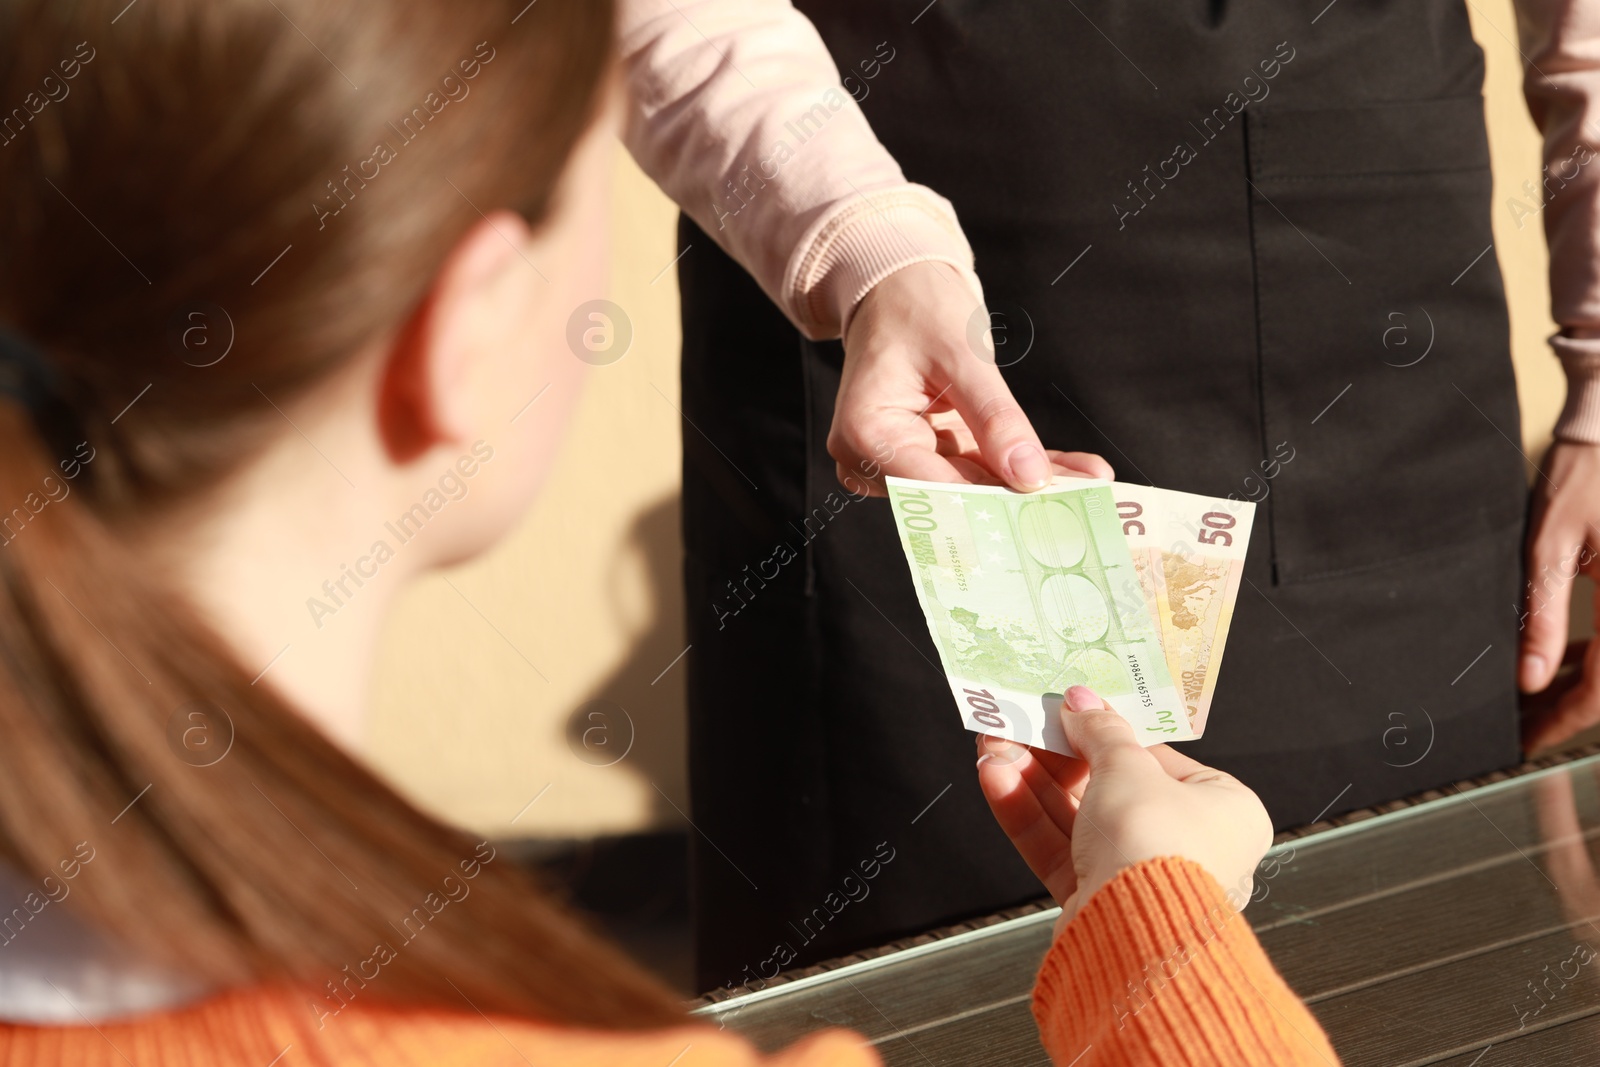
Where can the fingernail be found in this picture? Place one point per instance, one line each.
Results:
(1030, 467)
(1533, 666)
(998, 750)
(1082, 698)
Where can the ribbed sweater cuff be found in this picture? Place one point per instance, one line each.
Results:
(1580, 416)
(1158, 968)
(871, 237)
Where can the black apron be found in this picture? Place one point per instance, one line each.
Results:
(1240, 248)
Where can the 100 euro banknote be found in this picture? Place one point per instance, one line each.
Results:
(1027, 595)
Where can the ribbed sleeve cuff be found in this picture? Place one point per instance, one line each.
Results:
(1580, 415)
(1158, 968)
(851, 250)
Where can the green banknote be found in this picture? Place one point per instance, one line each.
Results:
(1029, 594)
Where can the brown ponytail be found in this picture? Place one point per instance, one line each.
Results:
(202, 138)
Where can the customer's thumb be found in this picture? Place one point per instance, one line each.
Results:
(1097, 734)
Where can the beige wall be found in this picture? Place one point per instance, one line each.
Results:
(1514, 143)
(474, 715)
(587, 593)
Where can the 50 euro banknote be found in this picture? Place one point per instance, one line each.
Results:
(1027, 595)
(1188, 553)
(1127, 589)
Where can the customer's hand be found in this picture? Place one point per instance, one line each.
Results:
(1077, 822)
(1563, 542)
(917, 399)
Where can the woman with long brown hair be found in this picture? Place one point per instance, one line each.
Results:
(278, 283)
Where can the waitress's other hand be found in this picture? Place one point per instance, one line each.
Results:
(1563, 542)
(1077, 822)
(918, 400)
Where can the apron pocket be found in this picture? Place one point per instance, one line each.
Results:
(1385, 370)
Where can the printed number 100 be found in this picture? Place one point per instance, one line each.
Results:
(984, 709)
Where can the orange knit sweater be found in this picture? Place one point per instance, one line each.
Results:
(1156, 969)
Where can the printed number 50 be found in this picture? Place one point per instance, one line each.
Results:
(984, 709)
(1214, 528)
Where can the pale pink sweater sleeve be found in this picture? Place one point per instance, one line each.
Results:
(738, 113)
(1561, 47)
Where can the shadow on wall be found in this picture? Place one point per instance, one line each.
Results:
(635, 717)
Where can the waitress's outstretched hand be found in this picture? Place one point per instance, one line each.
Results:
(1077, 822)
(921, 395)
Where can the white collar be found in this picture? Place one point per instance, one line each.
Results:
(56, 970)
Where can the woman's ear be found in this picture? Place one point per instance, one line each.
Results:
(426, 396)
